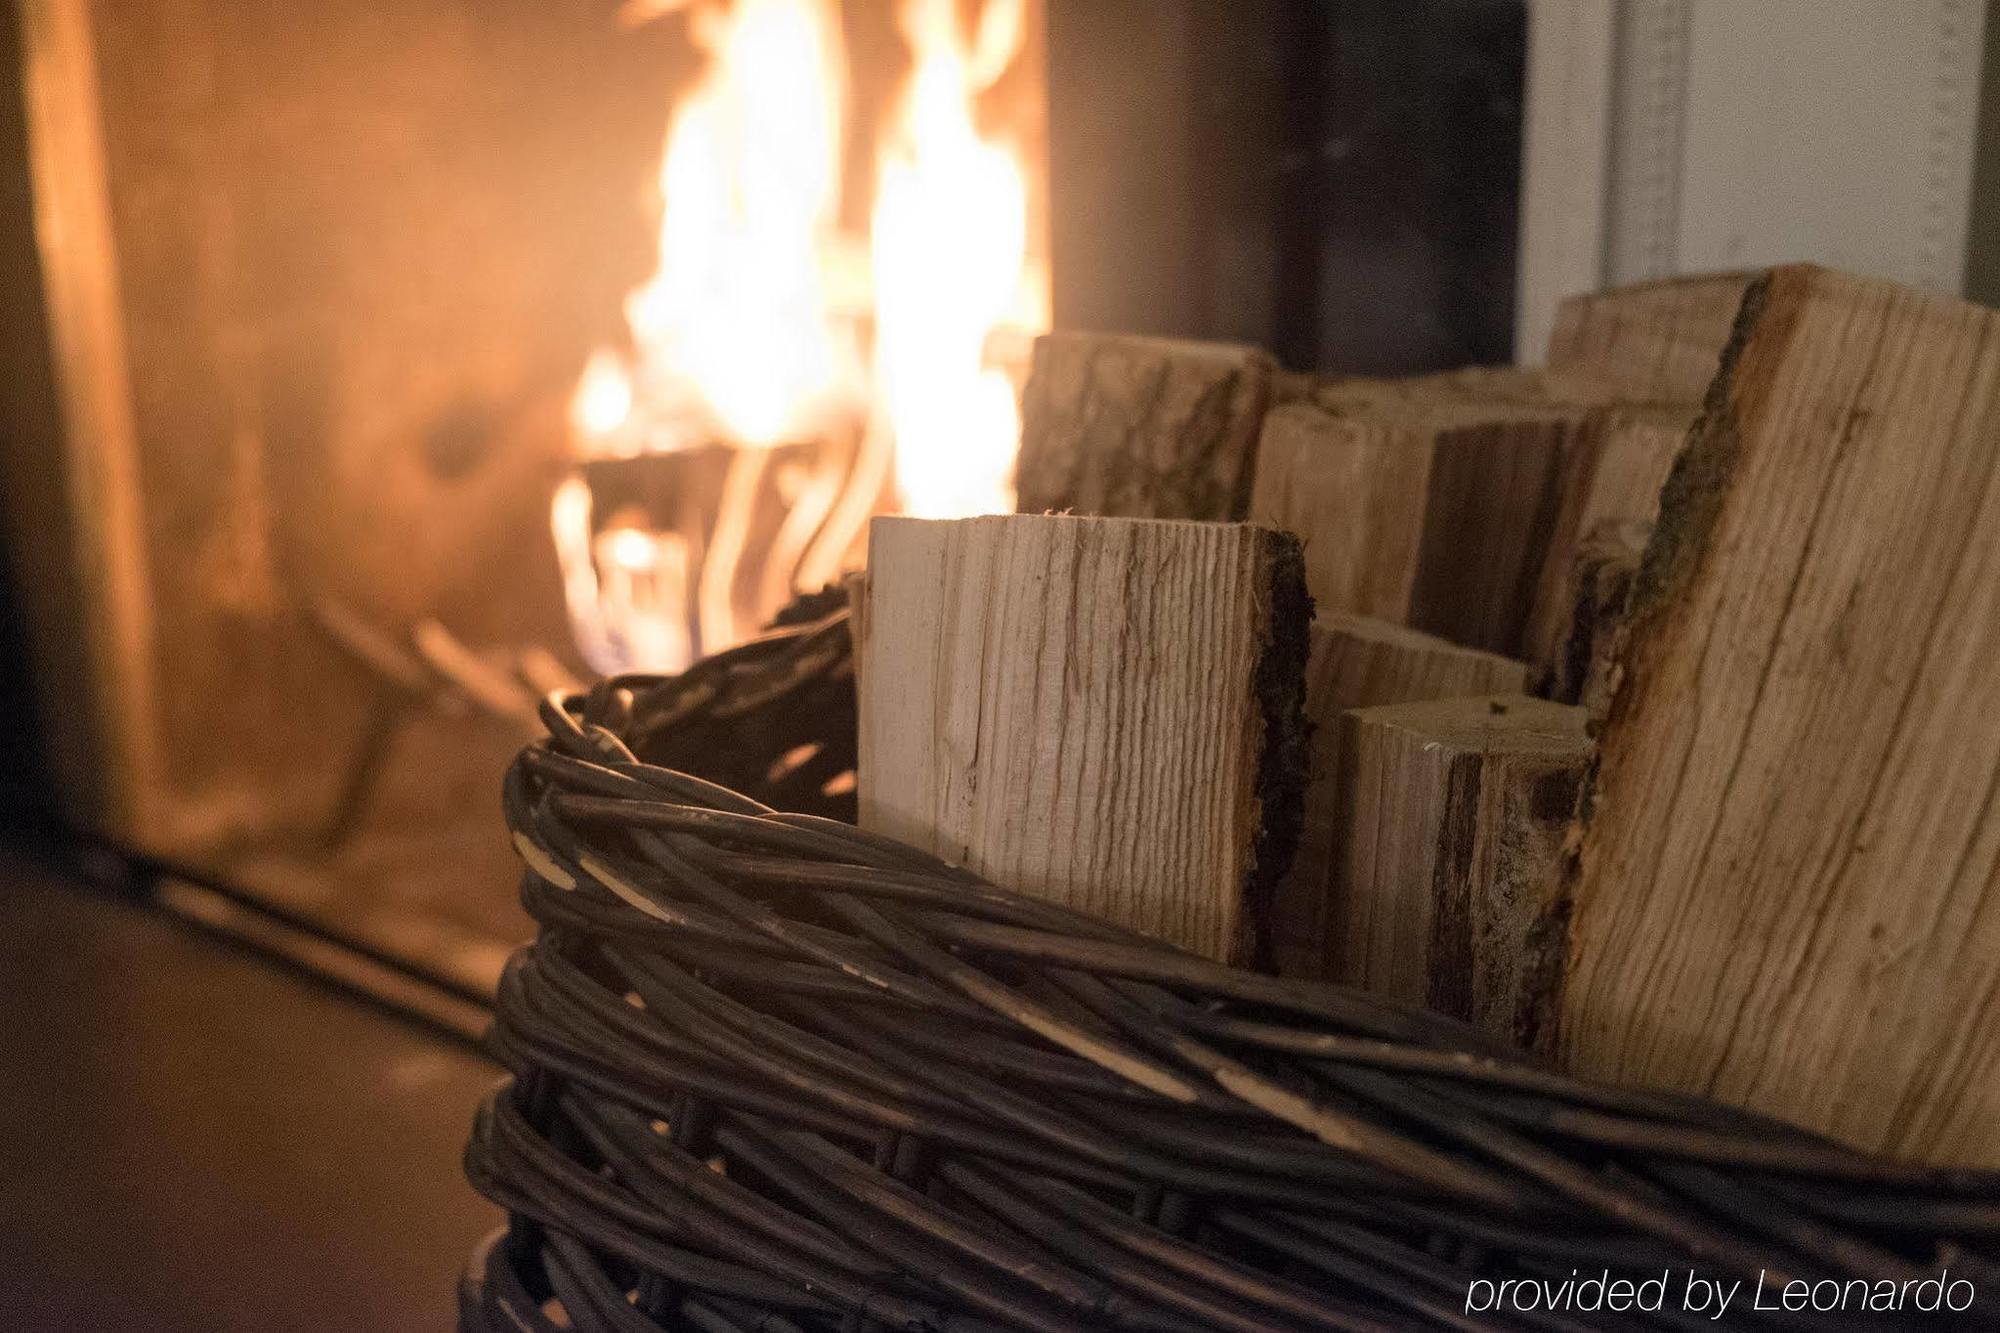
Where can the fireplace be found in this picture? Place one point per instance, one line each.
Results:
(393, 364)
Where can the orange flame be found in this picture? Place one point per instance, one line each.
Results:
(949, 241)
(603, 399)
(627, 589)
(733, 334)
(747, 332)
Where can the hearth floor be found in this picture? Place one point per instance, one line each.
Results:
(195, 1139)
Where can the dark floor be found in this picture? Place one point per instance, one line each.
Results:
(191, 1138)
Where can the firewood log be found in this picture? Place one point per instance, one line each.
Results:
(1656, 341)
(1140, 427)
(1788, 894)
(1104, 712)
(1357, 662)
(1437, 502)
(1453, 503)
(1354, 493)
(1611, 482)
(1582, 664)
(1448, 884)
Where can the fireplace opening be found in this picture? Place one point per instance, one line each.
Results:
(397, 364)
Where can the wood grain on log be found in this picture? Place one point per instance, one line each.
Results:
(1612, 481)
(1357, 662)
(1582, 666)
(1431, 501)
(1657, 341)
(1105, 712)
(1448, 880)
(1354, 493)
(1789, 889)
(1497, 485)
(1140, 427)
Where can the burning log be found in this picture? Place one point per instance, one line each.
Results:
(670, 554)
(784, 374)
(1359, 663)
(1105, 712)
(1140, 427)
(1447, 879)
(1788, 893)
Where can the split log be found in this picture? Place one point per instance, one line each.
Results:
(1448, 884)
(1453, 503)
(1420, 502)
(1497, 482)
(1105, 712)
(1354, 492)
(1582, 667)
(1656, 341)
(1140, 427)
(1612, 480)
(1788, 894)
(1357, 662)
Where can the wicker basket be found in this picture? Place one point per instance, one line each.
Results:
(773, 1072)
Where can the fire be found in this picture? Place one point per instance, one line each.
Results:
(626, 587)
(733, 334)
(949, 242)
(603, 399)
(749, 333)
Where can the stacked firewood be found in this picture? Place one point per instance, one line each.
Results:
(1641, 708)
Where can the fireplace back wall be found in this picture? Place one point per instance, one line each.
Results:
(318, 284)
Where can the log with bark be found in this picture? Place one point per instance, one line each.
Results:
(1140, 427)
(1582, 666)
(1788, 893)
(1357, 662)
(1610, 485)
(1447, 885)
(1654, 341)
(1440, 502)
(1105, 712)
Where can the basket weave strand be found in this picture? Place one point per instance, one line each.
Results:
(775, 1072)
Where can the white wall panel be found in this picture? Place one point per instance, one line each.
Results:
(1742, 134)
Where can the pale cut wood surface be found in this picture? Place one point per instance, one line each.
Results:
(1789, 889)
(1073, 707)
(1354, 493)
(1447, 886)
(1358, 662)
(1657, 341)
(1138, 427)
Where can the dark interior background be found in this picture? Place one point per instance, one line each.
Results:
(1336, 180)
(27, 410)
